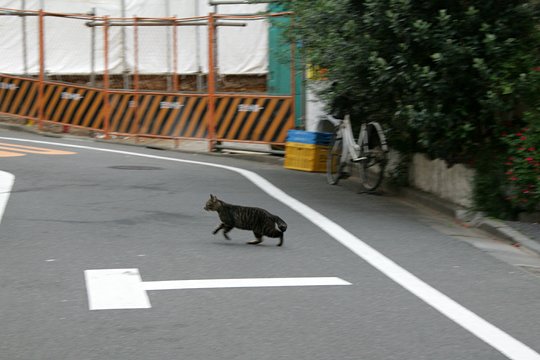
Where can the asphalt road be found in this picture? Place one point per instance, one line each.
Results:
(416, 290)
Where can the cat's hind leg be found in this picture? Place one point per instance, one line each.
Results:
(274, 233)
(258, 239)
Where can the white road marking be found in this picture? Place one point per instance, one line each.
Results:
(242, 283)
(115, 289)
(495, 337)
(6, 183)
(110, 289)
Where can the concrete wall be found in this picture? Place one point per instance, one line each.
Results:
(454, 184)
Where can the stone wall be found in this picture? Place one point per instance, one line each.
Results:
(454, 183)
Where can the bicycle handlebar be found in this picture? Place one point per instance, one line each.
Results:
(335, 121)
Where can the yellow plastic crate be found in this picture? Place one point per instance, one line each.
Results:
(305, 157)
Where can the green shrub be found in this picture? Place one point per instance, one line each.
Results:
(523, 168)
(489, 184)
(444, 77)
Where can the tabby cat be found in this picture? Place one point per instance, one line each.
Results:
(260, 221)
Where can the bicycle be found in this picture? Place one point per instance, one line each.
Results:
(368, 154)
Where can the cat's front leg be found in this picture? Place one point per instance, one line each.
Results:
(221, 226)
(280, 240)
(226, 229)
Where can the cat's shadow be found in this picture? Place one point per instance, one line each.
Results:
(243, 244)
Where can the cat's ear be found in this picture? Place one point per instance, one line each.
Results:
(212, 197)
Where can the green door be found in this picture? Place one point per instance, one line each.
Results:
(279, 64)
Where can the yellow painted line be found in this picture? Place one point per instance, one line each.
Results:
(20, 150)
(4, 154)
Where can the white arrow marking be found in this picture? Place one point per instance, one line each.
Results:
(115, 289)
(124, 289)
(242, 283)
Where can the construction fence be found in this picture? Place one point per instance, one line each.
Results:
(152, 98)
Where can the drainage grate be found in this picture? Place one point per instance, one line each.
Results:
(134, 167)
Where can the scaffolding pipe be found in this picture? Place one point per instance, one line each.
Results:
(24, 41)
(41, 89)
(7, 12)
(168, 47)
(125, 70)
(106, 104)
(239, 2)
(252, 16)
(163, 23)
(175, 80)
(211, 84)
(136, 79)
(198, 49)
(93, 53)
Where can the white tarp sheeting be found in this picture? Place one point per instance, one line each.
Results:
(68, 42)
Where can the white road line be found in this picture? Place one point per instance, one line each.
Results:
(110, 289)
(242, 283)
(498, 339)
(115, 289)
(6, 183)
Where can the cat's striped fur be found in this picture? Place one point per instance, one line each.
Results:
(258, 220)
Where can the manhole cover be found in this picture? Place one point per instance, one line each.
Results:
(135, 167)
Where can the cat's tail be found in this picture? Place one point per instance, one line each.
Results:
(282, 225)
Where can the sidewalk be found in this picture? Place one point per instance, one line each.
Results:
(519, 233)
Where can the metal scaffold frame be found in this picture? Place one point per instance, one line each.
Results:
(221, 116)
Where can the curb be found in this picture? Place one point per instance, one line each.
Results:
(433, 202)
(238, 154)
(493, 226)
(500, 229)
(28, 129)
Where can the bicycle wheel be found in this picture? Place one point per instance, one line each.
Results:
(374, 160)
(333, 160)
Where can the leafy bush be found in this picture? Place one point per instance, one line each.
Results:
(490, 184)
(445, 78)
(523, 168)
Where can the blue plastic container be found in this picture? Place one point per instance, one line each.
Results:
(309, 137)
